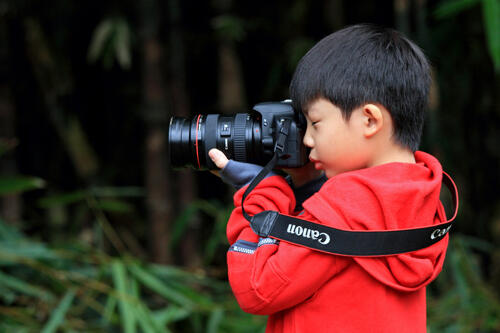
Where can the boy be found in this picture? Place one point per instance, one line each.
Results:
(363, 91)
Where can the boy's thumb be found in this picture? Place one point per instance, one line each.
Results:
(218, 157)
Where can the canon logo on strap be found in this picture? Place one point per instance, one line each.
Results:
(440, 232)
(321, 237)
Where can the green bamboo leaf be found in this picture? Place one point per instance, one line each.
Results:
(181, 224)
(215, 320)
(57, 316)
(17, 251)
(5, 327)
(491, 15)
(7, 296)
(109, 308)
(23, 287)
(229, 27)
(173, 273)
(122, 43)
(79, 148)
(146, 320)
(170, 314)
(100, 37)
(157, 286)
(117, 206)
(120, 281)
(62, 199)
(8, 232)
(115, 192)
(456, 261)
(218, 235)
(19, 184)
(185, 288)
(452, 7)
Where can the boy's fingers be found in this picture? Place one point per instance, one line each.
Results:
(218, 157)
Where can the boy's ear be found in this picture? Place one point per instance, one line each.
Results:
(373, 119)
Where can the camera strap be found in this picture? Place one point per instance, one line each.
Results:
(344, 242)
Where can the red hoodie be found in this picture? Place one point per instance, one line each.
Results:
(303, 290)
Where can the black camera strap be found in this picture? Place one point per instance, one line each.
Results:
(343, 242)
(279, 147)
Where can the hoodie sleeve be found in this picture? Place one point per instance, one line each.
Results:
(267, 276)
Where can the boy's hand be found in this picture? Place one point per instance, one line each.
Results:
(300, 176)
(219, 159)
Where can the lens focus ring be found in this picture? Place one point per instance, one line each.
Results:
(240, 153)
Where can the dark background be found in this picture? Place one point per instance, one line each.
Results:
(86, 91)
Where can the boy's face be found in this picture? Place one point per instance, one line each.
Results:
(336, 145)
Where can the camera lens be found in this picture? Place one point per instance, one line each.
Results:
(238, 136)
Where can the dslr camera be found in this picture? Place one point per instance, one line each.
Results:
(245, 137)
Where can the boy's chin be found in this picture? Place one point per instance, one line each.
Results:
(329, 173)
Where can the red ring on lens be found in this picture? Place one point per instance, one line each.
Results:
(196, 141)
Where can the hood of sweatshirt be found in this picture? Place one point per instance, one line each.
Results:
(388, 197)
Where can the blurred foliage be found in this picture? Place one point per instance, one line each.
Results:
(73, 287)
(460, 300)
(217, 213)
(11, 185)
(230, 28)
(111, 41)
(491, 19)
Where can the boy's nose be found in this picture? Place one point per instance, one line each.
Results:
(308, 141)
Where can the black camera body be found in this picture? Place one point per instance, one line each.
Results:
(244, 137)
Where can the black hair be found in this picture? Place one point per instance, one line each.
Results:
(367, 64)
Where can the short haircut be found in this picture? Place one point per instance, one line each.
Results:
(368, 64)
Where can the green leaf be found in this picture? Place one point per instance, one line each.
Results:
(181, 224)
(114, 192)
(101, 36)
(202, 301)
(157, 286)
(215, 320)
(491, 15)
(8, 232)
(18, 184)
(18, 251)
(146, 320)
(57, 316)
(229, 27)
(170, 314)
(120, 281)
(110, 41)
(109, 308)
(122, 44)
(117, 206)
(452, 7)
(23, 287)
(7, 296)
(62, 199)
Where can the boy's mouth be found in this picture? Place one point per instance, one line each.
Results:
(317, 164)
